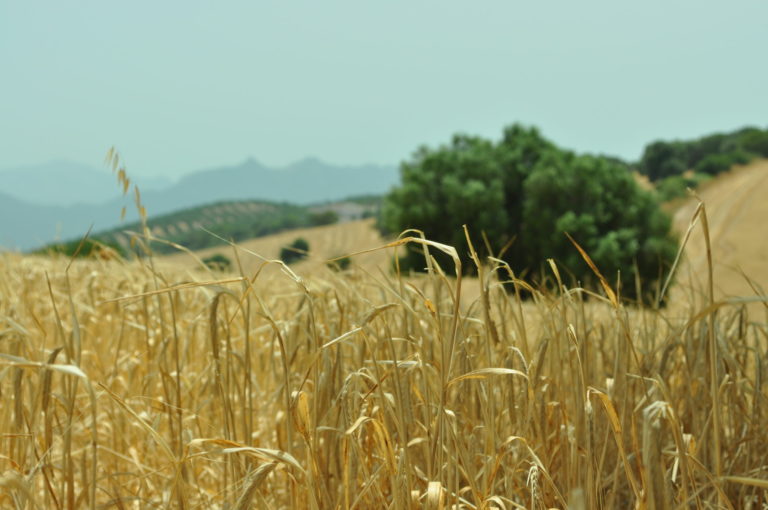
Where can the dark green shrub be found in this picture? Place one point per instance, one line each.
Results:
(297, 250)
(218, 262)
(340, 264)
(702, 147)
(676, 186)
(709, 154)
(672, 187)
(662, 159)
(718, 163)
(755, 141)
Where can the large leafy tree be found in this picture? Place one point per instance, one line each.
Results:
(442, 189)
(520, 151)
(526, 190)
(754, 140)
(599, 204)
(662, 159)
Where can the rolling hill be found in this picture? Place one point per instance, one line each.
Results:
(231, 220)
(325, 242)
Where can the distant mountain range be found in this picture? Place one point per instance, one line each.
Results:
(65, 183)
(61, 200)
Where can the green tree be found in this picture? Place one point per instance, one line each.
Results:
(662, 159)
(710, 154)
(701, 148)
(446, 188)
(722, 162)
(755, 141)
(525, 188)
(676, 186)
(520, 152)
(599, 204)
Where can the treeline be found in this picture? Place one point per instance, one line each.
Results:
(675, 165)
(519, 196)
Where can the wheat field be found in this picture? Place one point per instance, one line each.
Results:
(145, 384)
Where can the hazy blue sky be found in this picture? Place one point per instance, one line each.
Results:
(184, 85)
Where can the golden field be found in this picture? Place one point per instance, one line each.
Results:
(159, 384)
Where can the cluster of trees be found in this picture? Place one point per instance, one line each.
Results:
(709, 155)
(523, 192)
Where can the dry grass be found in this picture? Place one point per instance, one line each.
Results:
(152, 386)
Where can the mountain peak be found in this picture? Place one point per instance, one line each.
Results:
(251, 162)
(308, 162)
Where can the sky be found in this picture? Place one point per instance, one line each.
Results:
(182, 85)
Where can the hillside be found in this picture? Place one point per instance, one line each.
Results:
(232, 220)
(737, 210)
(325, 242)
